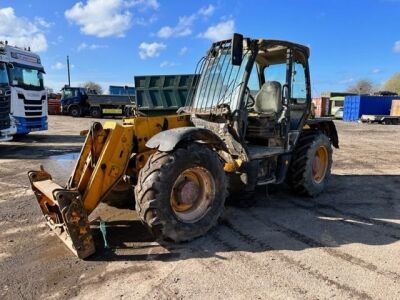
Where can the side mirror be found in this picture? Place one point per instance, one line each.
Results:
(237, 49)
(10, 65)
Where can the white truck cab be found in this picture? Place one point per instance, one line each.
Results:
(28, 98)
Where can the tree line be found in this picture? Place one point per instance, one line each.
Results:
(366, 86)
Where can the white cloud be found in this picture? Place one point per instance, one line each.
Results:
(144, 4)
(166, 64)
(42, 22)
(207, 11)
(84, 46)
(347, 81)
(185, 24)
(222, 30)
(58, 66)
(146, 21)
(58, 40)
(149, 50)
(396, 47)
(183, 51)
(101, 18)
(20, 31)
(183, 28)
(376, 71)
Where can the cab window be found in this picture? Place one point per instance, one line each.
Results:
(299, 88)
(276, 72)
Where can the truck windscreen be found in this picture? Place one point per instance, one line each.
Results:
(30, 79)
(3, 75)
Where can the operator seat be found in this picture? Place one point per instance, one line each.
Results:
(268, 100)
(266, 110)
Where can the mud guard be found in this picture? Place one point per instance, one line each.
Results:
(167, 140)
(327, 126)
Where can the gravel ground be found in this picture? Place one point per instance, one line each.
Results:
(343, 244)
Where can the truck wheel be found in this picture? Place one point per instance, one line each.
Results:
(95, 112)
(75, 111)
(181, 194)
(311, 164)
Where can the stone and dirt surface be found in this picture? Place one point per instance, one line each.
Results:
(342, 244)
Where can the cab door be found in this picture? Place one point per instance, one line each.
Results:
(300, 98)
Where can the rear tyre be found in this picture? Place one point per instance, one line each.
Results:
(75, 111)
(311, 164)
(181, 194)
(95, 112)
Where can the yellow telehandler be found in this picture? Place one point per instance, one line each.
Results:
(246, 123)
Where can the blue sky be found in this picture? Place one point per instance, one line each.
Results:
(110, 41)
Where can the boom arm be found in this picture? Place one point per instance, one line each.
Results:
(102, 163)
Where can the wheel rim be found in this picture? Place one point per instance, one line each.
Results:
(192, 194)
(320, 164)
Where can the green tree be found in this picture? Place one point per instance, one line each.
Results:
(393, 84)
(93, 87)
(363, 86)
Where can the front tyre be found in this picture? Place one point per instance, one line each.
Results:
(311, 164)
(180, 195)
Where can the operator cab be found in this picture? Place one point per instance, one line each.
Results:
(280, 71)
(258, 90)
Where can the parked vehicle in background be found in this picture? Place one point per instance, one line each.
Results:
(7, 128)
(154, 95)
(339, 113)
(28, 102)
(381, 119)
(78, 102)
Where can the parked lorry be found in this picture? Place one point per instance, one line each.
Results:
(28, 101)
(7, 128)
(231, 135)
(155, 94)
(78, 102)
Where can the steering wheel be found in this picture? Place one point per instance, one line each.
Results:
(250, 99)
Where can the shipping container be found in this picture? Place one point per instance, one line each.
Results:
(355, 106)
(321, 106)
(395, 110)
